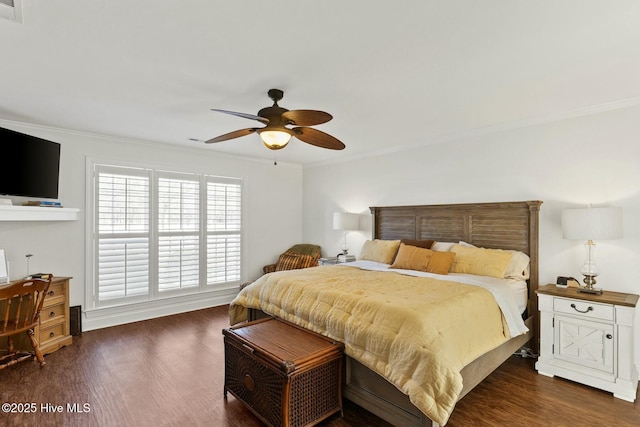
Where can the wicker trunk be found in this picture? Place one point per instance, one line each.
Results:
(286, 375)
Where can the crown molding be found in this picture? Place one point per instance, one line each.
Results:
(492, 129)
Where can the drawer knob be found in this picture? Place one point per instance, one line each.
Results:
(51, 335)
(580, 311)
(52, 314)
(51, 293)
(609, 336)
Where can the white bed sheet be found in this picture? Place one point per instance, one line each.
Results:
(510, 294)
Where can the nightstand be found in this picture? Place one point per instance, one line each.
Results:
(588, 338)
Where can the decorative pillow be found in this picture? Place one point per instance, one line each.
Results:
(294, 261)
(288, 261)
(480, 261)
(419, 243)
(441, 262)
(420, 259)
(383, 251)
(307, 261)
(442, 246)
(412, 258)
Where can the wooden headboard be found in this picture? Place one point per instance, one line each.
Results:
(501, 225)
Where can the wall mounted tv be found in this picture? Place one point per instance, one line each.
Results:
(30, 166)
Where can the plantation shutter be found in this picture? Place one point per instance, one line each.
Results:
(178, 232)
(224, 226)
(122, 197)
(161, 234)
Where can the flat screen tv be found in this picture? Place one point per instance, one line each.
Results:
(30, 166)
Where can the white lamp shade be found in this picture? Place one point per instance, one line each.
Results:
(346, 221)
(592, 224)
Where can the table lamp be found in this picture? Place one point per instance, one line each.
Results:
(591, 224)
(347, 222)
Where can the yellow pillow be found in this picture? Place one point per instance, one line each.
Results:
(480, 261)
(412, 258)
(420, 259)
(383, 251)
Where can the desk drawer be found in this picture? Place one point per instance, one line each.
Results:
(51, 314)
(51, 333)
(586, 309)
(55, 295)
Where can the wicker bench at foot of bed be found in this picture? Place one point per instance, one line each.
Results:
(286, 375)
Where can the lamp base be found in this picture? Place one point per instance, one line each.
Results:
(594, 291)
(590, 280)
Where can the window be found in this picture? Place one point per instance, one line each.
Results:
(224, 218)
(123, 233)
(178, 233)
(159, 234)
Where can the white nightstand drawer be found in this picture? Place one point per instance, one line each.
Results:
(587, 309)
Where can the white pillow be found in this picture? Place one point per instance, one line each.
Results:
(518, 267)
(442, 246)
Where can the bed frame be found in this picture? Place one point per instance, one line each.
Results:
(503, 225)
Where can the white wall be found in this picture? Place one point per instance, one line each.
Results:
(569, 163)
(273, 219)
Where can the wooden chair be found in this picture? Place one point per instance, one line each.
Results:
(20, 306)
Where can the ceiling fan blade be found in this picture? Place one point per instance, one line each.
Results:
(318, 138)
(243, 115)
(231, 135)
(306, 117)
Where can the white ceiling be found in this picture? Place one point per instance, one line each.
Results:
(393, 74)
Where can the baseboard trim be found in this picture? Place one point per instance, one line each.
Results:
(107, 317)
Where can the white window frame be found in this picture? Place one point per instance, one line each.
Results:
(154, 295)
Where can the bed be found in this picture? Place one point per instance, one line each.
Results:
(508, 226)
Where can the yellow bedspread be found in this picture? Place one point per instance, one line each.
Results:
(416, 332)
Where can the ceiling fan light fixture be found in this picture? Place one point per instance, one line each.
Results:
(275, 139)
(276, 135)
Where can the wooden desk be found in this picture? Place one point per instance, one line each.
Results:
(53, 332)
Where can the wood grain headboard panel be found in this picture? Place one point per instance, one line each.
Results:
(501, 225)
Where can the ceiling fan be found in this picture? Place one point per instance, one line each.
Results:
(276, 135)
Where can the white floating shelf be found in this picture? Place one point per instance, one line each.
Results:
(37, 213)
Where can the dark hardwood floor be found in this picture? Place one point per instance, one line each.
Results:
(170, 372)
